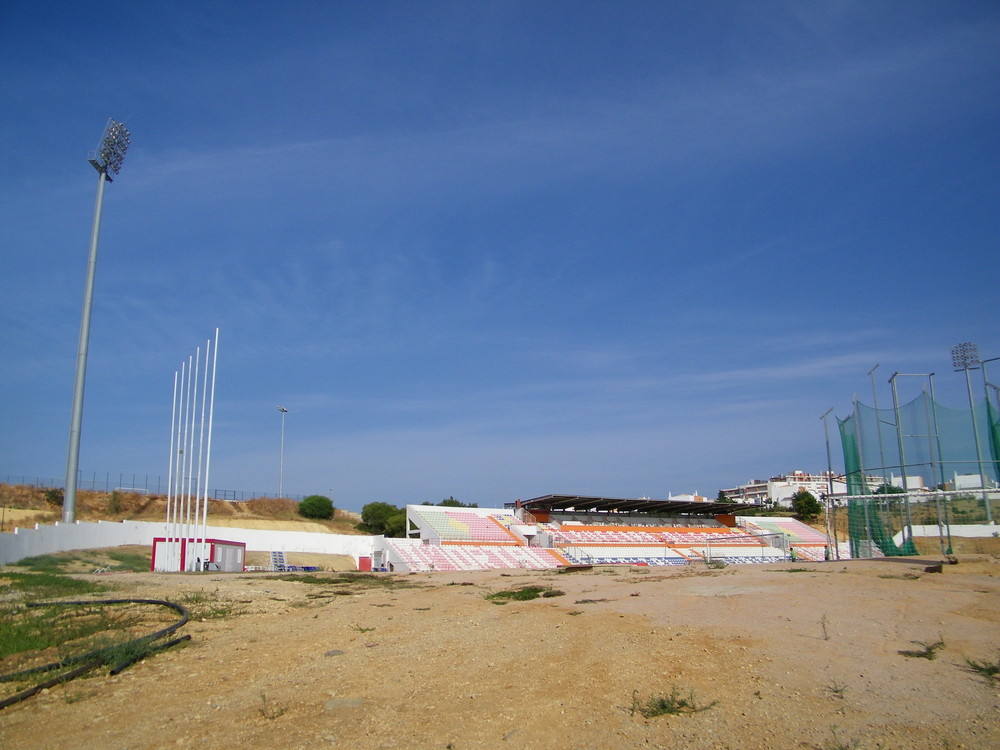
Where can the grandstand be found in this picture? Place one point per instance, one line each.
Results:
(807, 542)
(564, 530)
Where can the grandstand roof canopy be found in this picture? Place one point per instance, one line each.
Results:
(631, 505)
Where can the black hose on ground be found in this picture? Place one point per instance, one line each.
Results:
(139, 647)
(24, 694)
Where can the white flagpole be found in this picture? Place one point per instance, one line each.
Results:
(208, 451)
(165, 561)
(179, 473)
(189, 460)
(201, 452)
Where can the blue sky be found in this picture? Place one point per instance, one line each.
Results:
(494, 249)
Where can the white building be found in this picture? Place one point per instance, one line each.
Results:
(779, 489)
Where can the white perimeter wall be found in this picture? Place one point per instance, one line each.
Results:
(45, 539)
(965, 530)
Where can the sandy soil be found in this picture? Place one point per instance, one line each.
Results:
(805, 659)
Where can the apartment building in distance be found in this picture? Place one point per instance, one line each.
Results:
(779, 489)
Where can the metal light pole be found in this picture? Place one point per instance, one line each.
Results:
(281, 455)
(965, 356)
(107, 160)
(829, 472)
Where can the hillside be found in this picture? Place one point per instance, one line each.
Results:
(23, 505)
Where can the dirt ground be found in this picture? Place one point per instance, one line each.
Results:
(792, 656)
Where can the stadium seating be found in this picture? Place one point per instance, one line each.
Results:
(808, 543)
(624, 555)
(741, 554)
(454, 524)
(482, 539)
(791, 528)
(417, 556)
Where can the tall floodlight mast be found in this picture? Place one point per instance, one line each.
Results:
(281, 454)
(107, 160)
(965, 356)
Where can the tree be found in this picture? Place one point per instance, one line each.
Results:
(888, 489)
(805, 505)
(383, 518)
(723, 498)
(451, 502)
(316, 506)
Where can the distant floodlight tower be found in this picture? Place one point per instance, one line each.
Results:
(965, 356)
(107, 160)
(281, 454)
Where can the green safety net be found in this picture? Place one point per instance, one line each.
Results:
(873, 524)
(939, 447)
(919, 445)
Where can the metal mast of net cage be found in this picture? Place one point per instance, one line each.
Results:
(107, 160)
(187, 478)
(965, 357)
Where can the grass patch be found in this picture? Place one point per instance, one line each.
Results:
(43, 563)
(41, 639)
(45, 585)
(25, 630)
(926, 650)
(523, 594)
(989, 670)
(668, 705)
(126, 560)
(837, 689)
(797, 570)
(269, 709)
(134, 562)
(349, 578)
(210, 606)
(836, 743)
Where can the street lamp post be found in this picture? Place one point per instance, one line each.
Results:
(107, 160)
(281, 455)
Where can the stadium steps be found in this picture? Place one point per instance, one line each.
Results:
(278, 562)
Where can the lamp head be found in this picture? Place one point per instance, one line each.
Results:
(110, 154)
(965, 356)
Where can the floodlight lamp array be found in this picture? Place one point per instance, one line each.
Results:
(111, 153)
(965, 356)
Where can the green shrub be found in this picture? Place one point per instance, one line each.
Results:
(988, 669)
(316, 506)
(661, 705)
(926, 650)
(523, 594)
